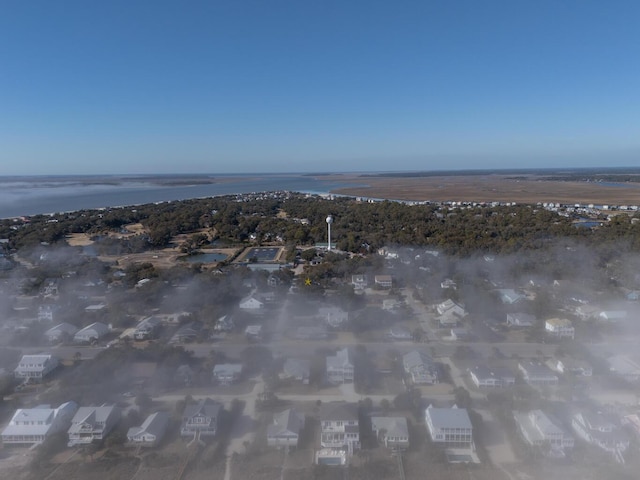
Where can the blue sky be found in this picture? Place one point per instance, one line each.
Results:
(243, 86)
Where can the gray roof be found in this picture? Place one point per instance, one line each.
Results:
(484, 372)
(206, 407)
(39, 419)
(284, 422)
(61, 328)
(340, 359)
(297, 367)
(155, 424)
(91, 415)
(416, 359)
(449, 417)
(395, 426)
(227, 369)
(98, 329)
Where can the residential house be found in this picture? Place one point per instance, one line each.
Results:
(496, 377)
(359, 282)
(147, 328)
(625, 366)
(253, 333)
(538, 430)
(95, 308)
(227, 373)
(297, 369)
(251, 304)
(187, 333)
(151, 432)
(574, 367)
(399, 333)
(200, 418)
(339, 426)
(91, 333)
(559, 327)
(450, 427)
(34, 425)
(334, 316)
(46, 313)
(34, 368)
(508, 296)
(460, 334)
(91, 424)
(392, 431)
(340, 367)
(184, 375)
(384, 281)
(450, 307)
(60, 332)
(600, 430)
(612, 315)
(285, 430)
(520, 320)
(420, 368)
(537, 374)
(224, 324)
(448, 283)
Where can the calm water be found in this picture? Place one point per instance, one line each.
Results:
(37, 195)
(206, 258)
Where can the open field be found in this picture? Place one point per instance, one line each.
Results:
(489, 188)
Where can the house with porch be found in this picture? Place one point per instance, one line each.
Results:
(285, 429)
(449, 427)
(420, 368)
(34, 368)
(339, 426)
(151, 432)
(92, 424)
(30, 426)
(200, 419)
(537, 429)
(392, 431)
(340, 367)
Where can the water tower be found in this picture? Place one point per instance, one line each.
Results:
(329, 221)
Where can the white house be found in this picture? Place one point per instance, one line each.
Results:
(60, 332)
(450, 307)
(147, 328)
(384, 281)
(91, 333)
(340, 368)
(285, 430)
(339, 426)
(251, 304)
(151, 432)
(537, 429)
(599, 430)
(537, 374)
(392, 431)
(227, 373)
(200, 418)
(333, 316)
(497, 377)
(420, 368)
(509, 296)
(559, 327)
(35, 368)
(91, 424)
(450, 427)
(359, 282)
(520, 320)
(34, 425)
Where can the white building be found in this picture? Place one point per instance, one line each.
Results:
(285, 430)
(91, 333)
(339, 425)
(597, 429)
(340, 368)
(34, 425)
(35, 368)
(559, 327)
(450, 427)
(151, 432)
(537, 429)
(91, 424)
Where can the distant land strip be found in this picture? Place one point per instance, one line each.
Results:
(490, 188)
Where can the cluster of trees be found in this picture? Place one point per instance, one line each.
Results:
(358, 227)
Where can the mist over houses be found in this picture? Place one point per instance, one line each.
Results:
(332, 356)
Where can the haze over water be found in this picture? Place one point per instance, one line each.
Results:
(24, 196)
